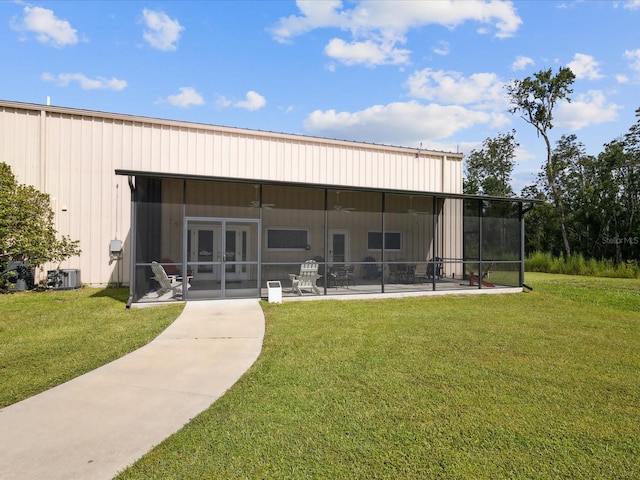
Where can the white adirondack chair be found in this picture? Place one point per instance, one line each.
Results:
(307, 278)
(168, 283)
(420, 273)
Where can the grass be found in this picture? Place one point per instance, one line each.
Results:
(542, 384)
(47, 338)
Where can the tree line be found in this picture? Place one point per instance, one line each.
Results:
(591, 204)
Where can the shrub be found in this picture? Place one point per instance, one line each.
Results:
(575, 264)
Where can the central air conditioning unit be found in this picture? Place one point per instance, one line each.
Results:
(19, 276)
(64, 279)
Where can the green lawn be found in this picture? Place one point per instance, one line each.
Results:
(543, 384)
(47, 338)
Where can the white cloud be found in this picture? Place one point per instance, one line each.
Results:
(397, 123)
(314, 15)
(521, 63)
(86, 83)
(162, 32)
(590, 108)
(632, 5)
(622, 78)
(481, 89)
(48, 29)
(441, 48)
(253, 101)
(187, 97)
(585, 66)
(222, 102)
(383, 24)
(368, 53)
(634, 58)
(331, 67)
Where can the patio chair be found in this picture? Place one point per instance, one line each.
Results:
(168, 283)
(307, 278)
(169, 267)
(322, 269)
(420, 273)
(435, 268)
(398, 271)
(372, 270)
(344, 276)
(473, 279)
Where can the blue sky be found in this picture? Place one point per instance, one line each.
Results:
(413, 73)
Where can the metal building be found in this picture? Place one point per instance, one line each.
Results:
(225, 210)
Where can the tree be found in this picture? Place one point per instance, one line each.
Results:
(618, 190)
(536, 97)
(592, 190)
(488, 170)
(541, 232)
(631, 180)
(600, 197)
(27, 231)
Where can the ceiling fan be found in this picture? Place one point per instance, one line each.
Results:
(414, 211)
(256, 203)
(341, 208)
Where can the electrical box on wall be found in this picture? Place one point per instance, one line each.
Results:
(115, 250)
(115, 246)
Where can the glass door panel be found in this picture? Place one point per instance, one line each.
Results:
(241, 259)
(204, 262)
(222, 258)
(338, 247)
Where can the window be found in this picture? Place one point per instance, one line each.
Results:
(287, 239)
(392, 241)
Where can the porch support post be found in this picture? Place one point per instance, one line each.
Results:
(522, 252)
(434, 232)
(480, 253)
(382, 220)
(184, 268)
(522, 237)
(259, 253)
(132, 242)
(326, 240)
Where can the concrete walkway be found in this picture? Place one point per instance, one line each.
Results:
(95, 425)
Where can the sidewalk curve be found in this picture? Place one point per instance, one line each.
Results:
(92, 427)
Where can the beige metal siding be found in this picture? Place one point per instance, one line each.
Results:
(72, 154)
(20, 143)
(90, 203)
(451, 236)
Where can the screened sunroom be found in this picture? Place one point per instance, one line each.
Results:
(217, 238)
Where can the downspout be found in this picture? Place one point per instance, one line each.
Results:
(42, 181)
(43, 152)
(132, 237)
(444, 164)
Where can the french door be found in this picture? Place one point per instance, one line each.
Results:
(222, 257)
(339, 248)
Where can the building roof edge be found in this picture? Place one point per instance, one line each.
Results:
(206, 126)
